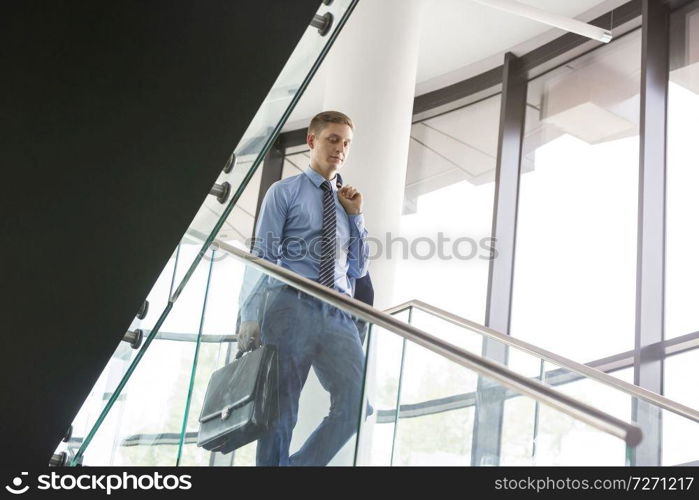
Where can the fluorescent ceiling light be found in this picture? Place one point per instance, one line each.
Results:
(555, 20)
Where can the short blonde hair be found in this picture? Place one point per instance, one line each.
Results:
(320, 120)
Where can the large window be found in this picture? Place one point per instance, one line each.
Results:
(682, 240)
(682, 251)
(447, 212)
(575, 266)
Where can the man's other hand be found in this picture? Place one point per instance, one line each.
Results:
(248, 336)
(351, 199)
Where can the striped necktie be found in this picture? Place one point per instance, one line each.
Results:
(326, 275)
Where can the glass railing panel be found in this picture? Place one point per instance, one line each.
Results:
(435, 423)
(217, 347)
(563, 441)
(232, 213)
(519, 431)
(97, 399)
(121, 359)
(663, 429)
(680, 437)
(382, 387)
(437, 395)
(617, 401)
(433, 399)
(454, 334)
(160, 293)
(439, 400)
(327, 402)
(533, 435)
(602, 451)
(320, 352)
(240, 223)
(266, 124)
(613, 400)
(143, 418)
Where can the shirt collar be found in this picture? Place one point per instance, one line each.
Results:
(318, 179)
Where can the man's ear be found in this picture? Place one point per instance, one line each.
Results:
(311, 140)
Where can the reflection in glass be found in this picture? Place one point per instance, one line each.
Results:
(575, 270)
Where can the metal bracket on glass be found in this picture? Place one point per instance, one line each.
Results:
(143, 311)
(221, 192)
(323, 23)
(230, 164)
(58, 459)
(68, 434)
(134, 338)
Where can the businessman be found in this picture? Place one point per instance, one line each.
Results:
(313, 225)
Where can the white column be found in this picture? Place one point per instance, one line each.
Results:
(370, 76)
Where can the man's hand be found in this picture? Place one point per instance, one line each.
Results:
(248, 336)
(351, 199)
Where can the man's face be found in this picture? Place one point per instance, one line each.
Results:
(329, 149)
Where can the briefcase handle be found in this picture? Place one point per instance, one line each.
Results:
(240, 354)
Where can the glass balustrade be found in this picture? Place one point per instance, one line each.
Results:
(365, 394)
(214, 213)
(525, 424)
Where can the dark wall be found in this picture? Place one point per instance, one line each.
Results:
(115, 119)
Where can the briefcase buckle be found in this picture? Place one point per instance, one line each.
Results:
(225, 413)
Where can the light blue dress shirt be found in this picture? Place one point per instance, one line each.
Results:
(288, 233)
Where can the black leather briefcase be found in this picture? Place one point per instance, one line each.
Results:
(241, 401)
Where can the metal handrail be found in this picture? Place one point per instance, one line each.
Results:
(545, 394)
(194, 337)
(563, 362)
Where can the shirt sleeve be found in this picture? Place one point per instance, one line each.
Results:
(266, 245)
(358, 252)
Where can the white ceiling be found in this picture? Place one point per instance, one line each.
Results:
(459, 33)
(460, 39)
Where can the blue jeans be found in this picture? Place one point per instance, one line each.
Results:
(308, 332)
